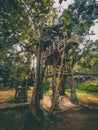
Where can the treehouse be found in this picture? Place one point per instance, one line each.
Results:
(56, 44)
(56, 59)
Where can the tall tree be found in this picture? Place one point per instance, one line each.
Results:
(23, 21)
(76, 22)
(39, 11)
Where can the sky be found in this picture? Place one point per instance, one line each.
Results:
(65, 5)
(95, 29)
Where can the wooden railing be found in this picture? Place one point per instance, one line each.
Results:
(64, 71)
(55, 47)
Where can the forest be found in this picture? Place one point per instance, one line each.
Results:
(48, 65)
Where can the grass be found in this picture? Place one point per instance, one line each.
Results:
(84, 97)
(83, 94)
(19, 119)
(89, 99)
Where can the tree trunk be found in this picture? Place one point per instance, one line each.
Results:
(54, 78)
(36, 95)
(73, 91)
(5, 82)
(62, 86)
(71, 81)
(55, 101)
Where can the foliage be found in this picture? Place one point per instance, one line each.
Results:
(21, 25)
(76, 22)
(14, 23)
(45, 86)
(79, 17)
(89, 61)
(88, 86)
(4, 74)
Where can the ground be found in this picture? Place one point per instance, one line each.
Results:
(6, 95)
(81, 117)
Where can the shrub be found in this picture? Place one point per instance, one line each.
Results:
(88, 86)
(45, 86)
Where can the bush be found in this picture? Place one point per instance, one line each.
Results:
(45, 86)
(88, 86)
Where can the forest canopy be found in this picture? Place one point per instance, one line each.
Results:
(29, 27)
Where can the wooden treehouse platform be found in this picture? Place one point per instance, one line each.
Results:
(57, 46)
(55, 50)
(53, 55)
(63, 71)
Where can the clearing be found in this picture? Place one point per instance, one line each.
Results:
(82, 117)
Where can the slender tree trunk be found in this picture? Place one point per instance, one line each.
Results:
(54, 78)
(71, 81)
(62, 86)
(5, 82)
(42, 71)
(73, 91)
(54, 105)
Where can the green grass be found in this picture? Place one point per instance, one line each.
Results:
(88, 86)
(48, 93)
(83, 94)
(86, 98)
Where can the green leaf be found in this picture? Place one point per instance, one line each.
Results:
(45, 1)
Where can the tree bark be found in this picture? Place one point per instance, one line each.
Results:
(73, 91)
(54, 105)
(55, 102)
(71, 81)
(36, 95)
(62, 86)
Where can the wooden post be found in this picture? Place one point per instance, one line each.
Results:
(58, 46)
(54, 77)
(54, 46)
(47, 71)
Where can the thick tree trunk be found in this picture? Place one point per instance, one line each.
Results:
(36, 95)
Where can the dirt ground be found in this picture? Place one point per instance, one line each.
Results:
(6, 94)
(80, 119)
(70, 118)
